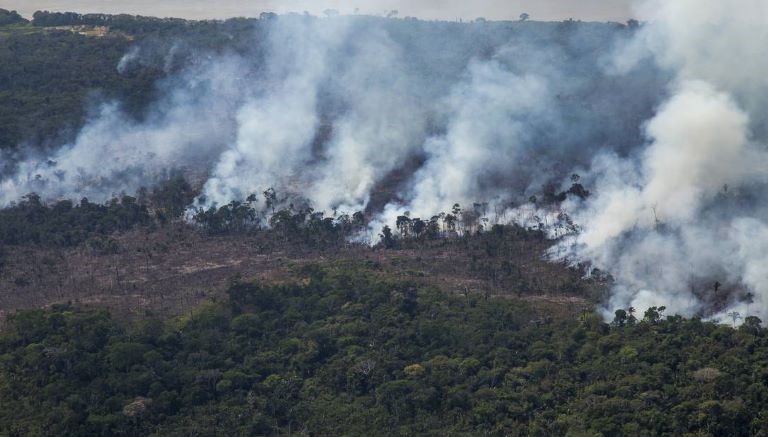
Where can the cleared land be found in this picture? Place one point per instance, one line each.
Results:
(170, 271)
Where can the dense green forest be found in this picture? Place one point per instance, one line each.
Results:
(10, 17)
(341, 352)
(67, 224)
(47, 79)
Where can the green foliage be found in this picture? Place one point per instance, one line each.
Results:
(67, 224)
(51, 76)
(10, 17)
(172, 198)
(304, 226)
(234, 217)
(345, 354)
(47, 80)
(132, 24)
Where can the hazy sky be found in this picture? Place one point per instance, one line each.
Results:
(594, 10)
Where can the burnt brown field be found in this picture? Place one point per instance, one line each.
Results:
(169, 271)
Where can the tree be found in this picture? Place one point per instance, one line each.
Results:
(270, 197)
(387, 238)
(631, 312)
(10, 17)
(403, 224)
(620, 318)
(173, 197)
(752, 325)
(653, 314)
(734, 315)
(418, 227)
(456, 209)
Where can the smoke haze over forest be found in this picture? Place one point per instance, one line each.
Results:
(669, 138)
(384, 218)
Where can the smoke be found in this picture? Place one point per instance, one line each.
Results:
(115, 153)
(521, 118)
(335, 78)
(697, 146)
(488, 124)
(664, 123)
(381, 128)
(277, 123)
(673, 228)
(328, 110)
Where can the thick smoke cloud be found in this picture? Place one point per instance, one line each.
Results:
(698, 145)
(491, 112)
(682, 225)
(327, 109)
(664, 132)
(277, 124)
(336, 80)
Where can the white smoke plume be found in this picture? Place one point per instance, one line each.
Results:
(376, 121)
(326, 109)
(486, 130)
(114, 153)
(664, 123)
(277, 124)
(667, 226)
(383, 125)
